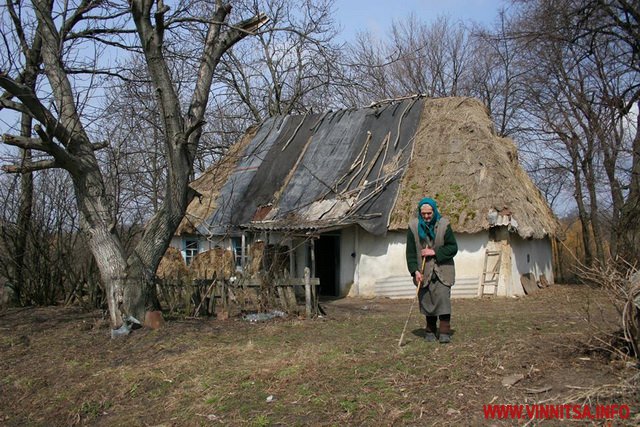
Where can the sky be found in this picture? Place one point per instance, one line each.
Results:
(354, 16)
(377, 15)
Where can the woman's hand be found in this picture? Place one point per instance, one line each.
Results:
(418, 277)
(428, 252)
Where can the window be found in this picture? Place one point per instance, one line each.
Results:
(236, 245)
(190, 250)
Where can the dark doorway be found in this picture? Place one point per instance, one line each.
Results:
(327, 257)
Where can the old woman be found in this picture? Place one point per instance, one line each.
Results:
(431, 246)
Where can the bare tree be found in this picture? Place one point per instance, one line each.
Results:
(135, 162)
(65, 138)
(497, 74)
(57, 265)
(367, 68)
(432, 59)
(286, 71)
(31, 58)
(417, 58)
(614, 25)
(582, 84)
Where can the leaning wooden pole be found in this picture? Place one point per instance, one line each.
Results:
(424, 260)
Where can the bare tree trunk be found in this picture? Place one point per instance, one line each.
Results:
(33, 60)
(63, 136)
(24, 214)
(618, 204)
(590, 182)
(99, 229)
(629, 229)
(582, 213)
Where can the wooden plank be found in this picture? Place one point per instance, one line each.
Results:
(307, 292)
(528, 283)
(295, 281)
(291, 298)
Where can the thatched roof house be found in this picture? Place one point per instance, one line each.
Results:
(352, 179)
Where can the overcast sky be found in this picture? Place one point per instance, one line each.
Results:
(377, 15)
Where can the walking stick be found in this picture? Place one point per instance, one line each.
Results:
(424, 259)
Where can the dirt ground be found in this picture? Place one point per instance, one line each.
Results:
(58, 366)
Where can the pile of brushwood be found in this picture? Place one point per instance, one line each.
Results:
(622, 283)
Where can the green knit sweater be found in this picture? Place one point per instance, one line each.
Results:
(444, 253)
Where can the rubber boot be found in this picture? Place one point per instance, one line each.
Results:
(445, 331)
(430, 330)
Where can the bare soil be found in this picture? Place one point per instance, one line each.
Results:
(58, 366)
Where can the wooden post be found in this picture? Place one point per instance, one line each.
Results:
(211, 309)
(307, 291)
(225, 301)
(292, 269)
(313, 258)
(314, 299)
(243, 253)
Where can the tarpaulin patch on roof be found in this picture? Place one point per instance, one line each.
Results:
(323, 169)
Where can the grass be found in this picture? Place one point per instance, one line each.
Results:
(344, 369)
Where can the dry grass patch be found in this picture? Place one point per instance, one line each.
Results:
(58, 366)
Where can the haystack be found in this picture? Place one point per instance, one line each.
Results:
(172, 265)
(257, 253)
(217, 261)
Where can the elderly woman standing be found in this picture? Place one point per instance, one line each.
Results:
(431, 247)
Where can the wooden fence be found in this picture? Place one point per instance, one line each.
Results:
(224, 298)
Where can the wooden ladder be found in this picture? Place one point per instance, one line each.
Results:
(490, 277)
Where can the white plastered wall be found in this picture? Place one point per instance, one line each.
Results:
(470, 258)
(530, 256)
(379, 258)
(348, 259)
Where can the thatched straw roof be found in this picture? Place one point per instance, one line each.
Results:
(208, 186)
(370, 167)
(473, 174)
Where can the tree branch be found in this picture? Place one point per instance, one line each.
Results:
(29, 99)
(84, 6)
(161, 10)
(25, 142)
(99, 145)
(18, 27)
(11, 105)
(92, 32)
(193, 128)
(32, 106)
(245, 28)
(216, 45)
(31, 167)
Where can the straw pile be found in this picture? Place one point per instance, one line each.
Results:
(256, 253)
(217, 261)
(172, 265)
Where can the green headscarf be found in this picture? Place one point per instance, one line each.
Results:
(428, 229)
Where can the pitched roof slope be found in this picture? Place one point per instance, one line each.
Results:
(371, 166)
(208, 186)
(473, 174)
(319, 171)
